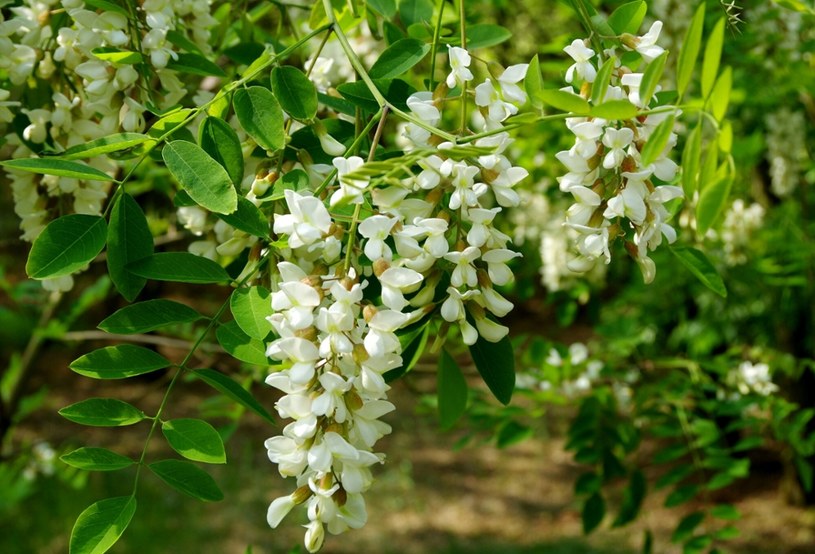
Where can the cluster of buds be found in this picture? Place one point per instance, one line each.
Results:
(616, 194)
(100, 73)
(342, 290)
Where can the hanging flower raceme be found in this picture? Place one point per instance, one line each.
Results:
(619, 172)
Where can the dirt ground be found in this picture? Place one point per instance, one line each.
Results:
(427, 498)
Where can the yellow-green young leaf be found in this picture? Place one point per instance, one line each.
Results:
(565, 101)
(260, 115)
(240, 345)
(615, 110)
(66, 245)
(195, 65)
(147, 316)
(182, 267)
(452, 391)
(195, 439)
(711, 203)
(713, 54)
(295, 92)
(707, 175)
(250, 307)
(101, 524)
(726, 137)
(91, 458)
(495, 361)
(203, 178)
(248, 218)
(169, 122)
(129, 239)
(102, 412)
(690, 50)
(188, 478)
(116, 55)
(657, 141)
(104, 145)
(698, 264)
(600, 85)
(58, 167)
(484, 35)
(725, 511)
(651, 77)
(720, 96)
(628, 17)
(413, 345)
(398, 58)
(119, 362)
(233, 390)
(533, 83)
(691, 159)
(221, 142)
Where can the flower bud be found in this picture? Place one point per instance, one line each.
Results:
(353, 401)
(309, 333)
(340, 497)
(381, 266)
(301, 494)
(368, 312)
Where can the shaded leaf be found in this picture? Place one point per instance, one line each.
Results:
(58, 167)
(147, 316)
(628, 17)
(182, 267)
(495, 362)
(129, 239)
(240, 345)
(188, 478)
(195, 64)
(452, 391)
(248, 218)
(96, 459)
(398, 58)
(220, 141)
(295, 92)
(233, 390)
(698, 264)
(594, 509)
(66, 245)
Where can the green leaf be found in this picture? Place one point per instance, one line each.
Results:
(129, 239)
(495, 362)
(698, 264)
(102, 412)
(615, 110)
(686, 526)
(413, 345)
(657, 141)
(295, 92)
(147, 316)
(96, 459)
(233, 390)
(248, 218)
(452, 391)
(66, 245)
(690, 50)
(219, 140)
(182, 267)
(119, 362)
(105, 145)
(195, 65)
(600, 85)
(628, 17)
(117, 55)
(101, 524)
(396, 91)
(713, 55)
(250, 307)
(594, 509)
(195, 439)
(680, 495)
(720, 96)
(385, 8)
(106, 6)
(511, 433)
(177, 38)
(484, 35)
(588, 483)
(725, 511)
(58, 167)
(565, 101)
(168, 122)
(203, 178)
(188, 478)
(415, 11)
(691, 160)
(711, 203)
(533, 83)
(261, 116)
(240, 345)
(398, 58)
(651, 77)
(633, 495)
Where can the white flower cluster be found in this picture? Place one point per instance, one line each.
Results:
(64, 48)
(335, 343)
(752, 378)
(786, 149)
(615, 193)
(740, 223)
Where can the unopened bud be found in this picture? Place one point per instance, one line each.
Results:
(629, 165)
(353, 401)
(484, 280)
(360, 354)
(585, 90)
(309, 333)
(326, 481)
(629, 40)
(334, 428)
(340, 497)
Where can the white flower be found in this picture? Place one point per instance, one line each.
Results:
(616, 140)
(381, 338)
(499, 272)
(376, 229)
(307, 221)
(509, 80)
(395, 282)
(350, 189)
(581, 54)
(278, 509)
(647, 44)
(459, 64)
(464, 271)
(487, 96)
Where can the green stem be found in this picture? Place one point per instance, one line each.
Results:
(434, 48)
(463, 33)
